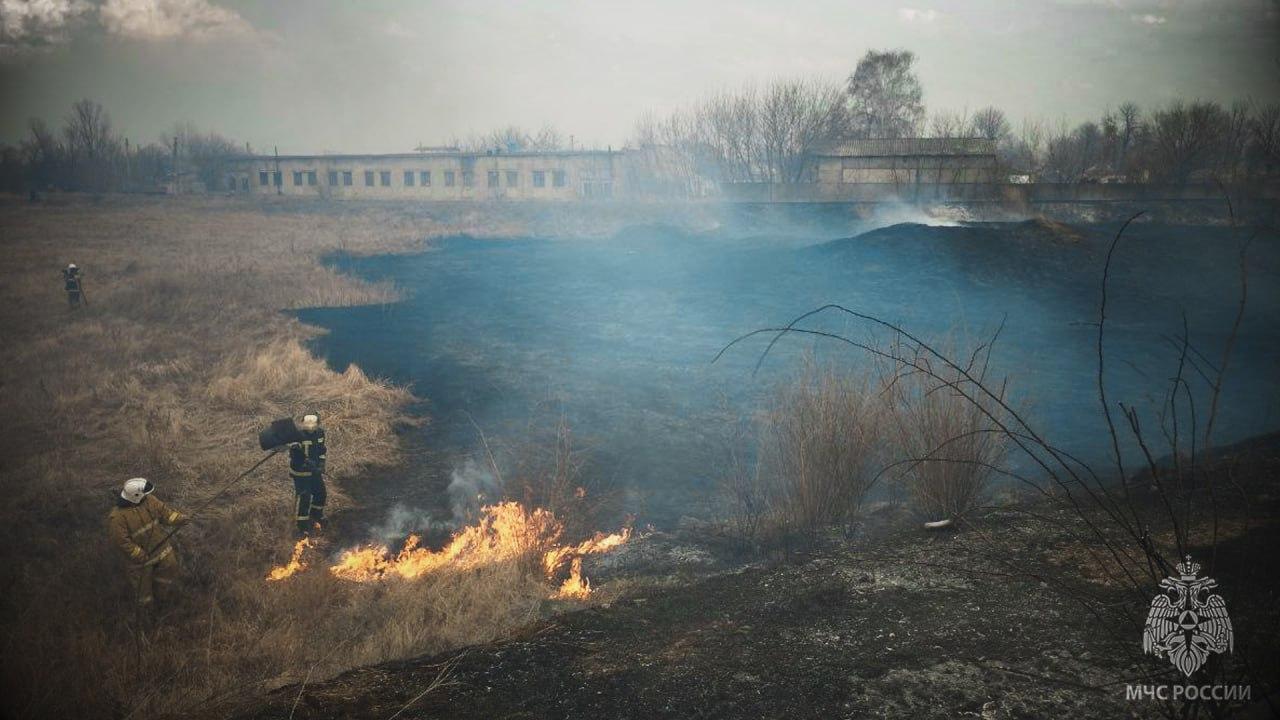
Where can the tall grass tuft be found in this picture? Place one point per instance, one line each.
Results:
(948, 446)
(816, 448)
(831, 433)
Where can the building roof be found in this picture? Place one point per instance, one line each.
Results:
(885, 147)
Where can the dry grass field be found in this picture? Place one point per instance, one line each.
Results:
(179, 357)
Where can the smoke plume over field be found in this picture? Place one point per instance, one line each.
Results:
(616, 337)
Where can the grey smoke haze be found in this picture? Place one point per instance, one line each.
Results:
(471, 487)
(402, 520)
(383, 76)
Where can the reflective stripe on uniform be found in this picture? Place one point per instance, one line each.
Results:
(161, 555)
(143, 529)
(173, 517)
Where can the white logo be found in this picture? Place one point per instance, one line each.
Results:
(1187, 624)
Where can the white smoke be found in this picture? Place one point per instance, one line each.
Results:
(471, 487)
(933, 215)
(402, 521)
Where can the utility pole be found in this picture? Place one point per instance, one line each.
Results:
(176, 182)
(278, 180)
(128, 171)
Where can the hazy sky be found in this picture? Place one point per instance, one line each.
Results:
(383, 76)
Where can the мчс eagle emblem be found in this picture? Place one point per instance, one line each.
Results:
(1187, 623)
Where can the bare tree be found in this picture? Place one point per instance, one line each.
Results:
(990, 123)
(13, 171)
(547, 138)
(1111, 139)
(944, 123)
(750, 135)
(668, 157)
(1025, 152)
(514, 138)
(206, 154)
(1069, 153)
(795, 118)
(90, 145)
(727, 124)
(885, 97)
(1234, 141)
(1088, 136)
(1130, 123)
(1264, 135)
(1185, 137)
(43, 155)
(88, 130)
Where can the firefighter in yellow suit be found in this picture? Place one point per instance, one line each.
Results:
(140, 525)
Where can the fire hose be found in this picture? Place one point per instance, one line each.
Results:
(274, 438)
(231, 483)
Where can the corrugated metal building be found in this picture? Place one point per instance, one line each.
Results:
(906, 162)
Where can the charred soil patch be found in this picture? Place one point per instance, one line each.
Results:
(903, 624)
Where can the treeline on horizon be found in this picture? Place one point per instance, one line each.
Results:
(762, 134)
(755, 134)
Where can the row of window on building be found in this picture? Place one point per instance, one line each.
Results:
(421, 178)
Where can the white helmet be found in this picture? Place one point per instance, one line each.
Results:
(72, 266)
(135, 489)
(310, 422)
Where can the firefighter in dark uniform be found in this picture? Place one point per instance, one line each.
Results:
(71, 280)
(306, 467)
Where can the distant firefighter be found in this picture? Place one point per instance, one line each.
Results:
(73, 280)
(138, 526)
(306, 467)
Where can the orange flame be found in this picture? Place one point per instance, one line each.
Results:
(574, 587)
(506, 531)
(295, 563)
(554, 558)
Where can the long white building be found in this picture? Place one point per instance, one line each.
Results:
(851, 171)
(455, 175)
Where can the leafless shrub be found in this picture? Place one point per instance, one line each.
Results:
(947, 445)
(549, 467)
(1128, 532)
(816, 449)
(743, 495)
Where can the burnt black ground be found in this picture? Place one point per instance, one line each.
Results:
(617, 335)
(904, 624)
(899, 623)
